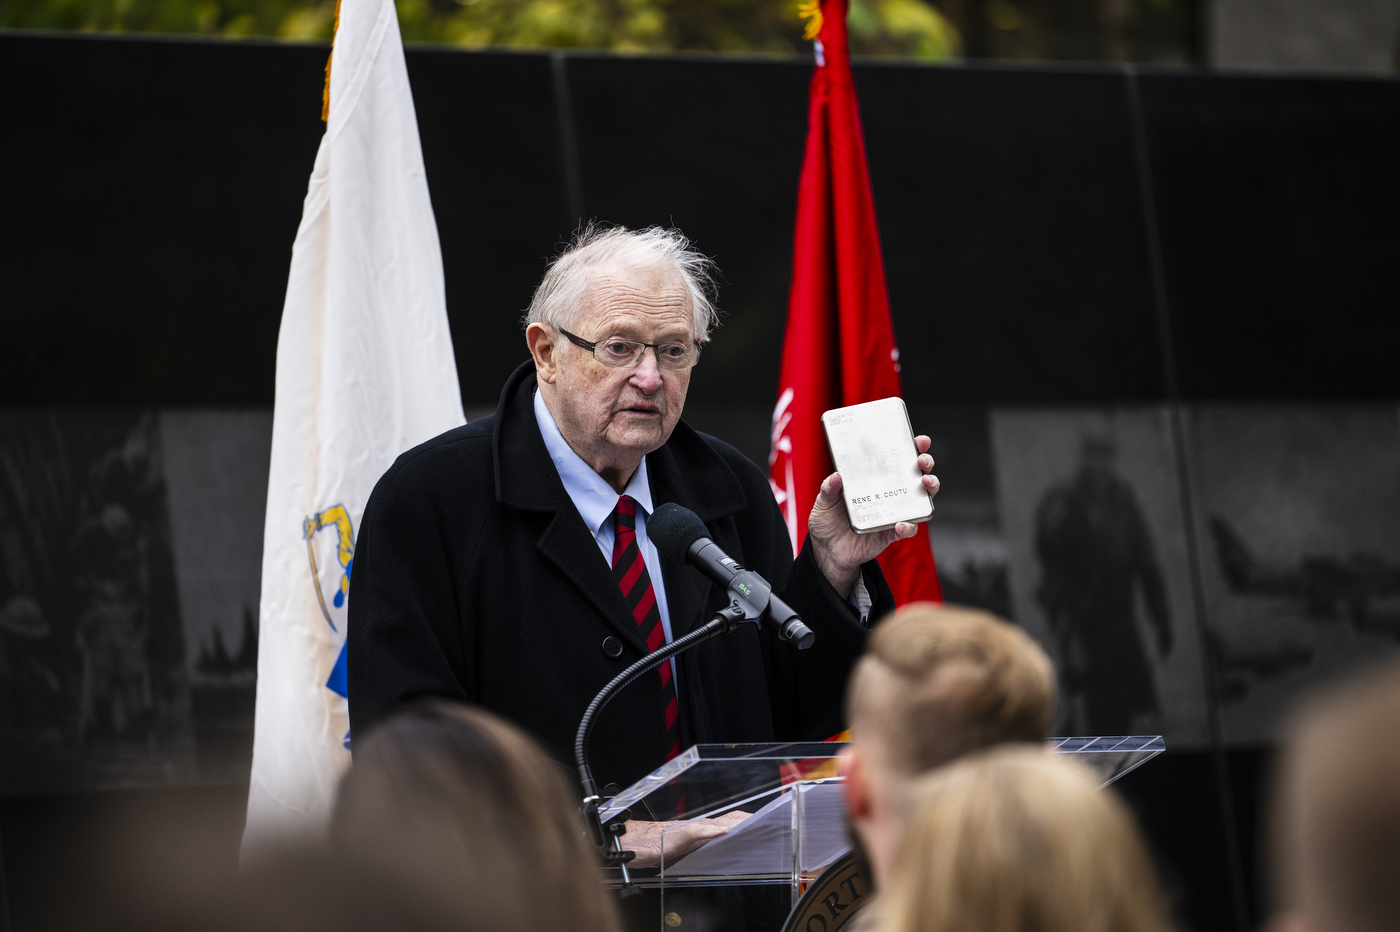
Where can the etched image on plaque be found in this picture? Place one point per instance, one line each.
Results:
(1091, 508)
(1298, 514)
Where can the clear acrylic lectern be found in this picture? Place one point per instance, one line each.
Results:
(793, 794)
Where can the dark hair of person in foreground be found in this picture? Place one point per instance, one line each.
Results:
(463, 808)
(1018, 839)
(451, 820)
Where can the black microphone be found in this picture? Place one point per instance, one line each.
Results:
(679, 533)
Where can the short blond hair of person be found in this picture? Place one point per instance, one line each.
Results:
(938, 681)
(1336, 814)
(1016, 839)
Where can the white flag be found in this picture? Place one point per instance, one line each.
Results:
(364, 372)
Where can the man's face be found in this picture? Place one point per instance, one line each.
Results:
(613, 417)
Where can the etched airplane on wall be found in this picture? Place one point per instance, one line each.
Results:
(1329, 587)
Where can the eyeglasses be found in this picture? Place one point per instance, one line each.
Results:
(616, 353)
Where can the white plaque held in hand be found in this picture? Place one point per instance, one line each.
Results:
(872, 446)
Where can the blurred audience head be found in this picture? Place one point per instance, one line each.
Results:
(1017, 839)
(1336, 814)
(936, 682)
(287, 888)
(450, 820)
(462, 807)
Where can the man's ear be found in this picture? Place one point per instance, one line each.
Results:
(857, 784)
(544, 348)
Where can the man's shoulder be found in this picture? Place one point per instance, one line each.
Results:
(462, 452)
(745, 469)
(752, 479)
(470, 440)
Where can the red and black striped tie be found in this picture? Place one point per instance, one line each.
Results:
(630, 571)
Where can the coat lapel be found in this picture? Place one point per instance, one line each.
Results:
(526, 479)
(708, 487)
(686, 594)
(567, 543)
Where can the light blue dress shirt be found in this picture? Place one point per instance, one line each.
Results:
(596, 501)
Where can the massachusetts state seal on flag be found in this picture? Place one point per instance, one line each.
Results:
(332, 557)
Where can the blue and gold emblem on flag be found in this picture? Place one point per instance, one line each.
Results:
(335, 518)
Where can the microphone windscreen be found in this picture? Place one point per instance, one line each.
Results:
(673, 528)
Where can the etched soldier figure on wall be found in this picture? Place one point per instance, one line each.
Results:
(92, 691)
(1096, 557)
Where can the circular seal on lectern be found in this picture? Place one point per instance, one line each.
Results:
(834, 898)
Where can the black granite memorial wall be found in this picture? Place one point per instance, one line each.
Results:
(1160, 303)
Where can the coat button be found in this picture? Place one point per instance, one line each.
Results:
(612, 647)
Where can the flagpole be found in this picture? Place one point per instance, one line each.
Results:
(839, 348)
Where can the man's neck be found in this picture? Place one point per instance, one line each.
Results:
(613, 473)
(615, 477)
(885, 827)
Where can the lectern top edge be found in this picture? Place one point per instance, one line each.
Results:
(717, 773)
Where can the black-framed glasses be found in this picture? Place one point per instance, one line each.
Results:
(617, 353)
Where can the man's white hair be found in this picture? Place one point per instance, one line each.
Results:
(562, 296)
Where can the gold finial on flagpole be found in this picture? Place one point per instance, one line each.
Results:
(326, 91)
(811, 11)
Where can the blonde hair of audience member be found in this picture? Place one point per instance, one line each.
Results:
(936, 682)
(1336, 813)
(459, 804)
(1015, 839)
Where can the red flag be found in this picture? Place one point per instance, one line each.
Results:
(840, 347)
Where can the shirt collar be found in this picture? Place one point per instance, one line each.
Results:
(591, 495)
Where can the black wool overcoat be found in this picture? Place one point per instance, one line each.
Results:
(476, 579)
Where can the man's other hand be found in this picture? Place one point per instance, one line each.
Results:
(840, 551)
(645, 838)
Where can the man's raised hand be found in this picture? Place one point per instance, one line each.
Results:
(840, 551)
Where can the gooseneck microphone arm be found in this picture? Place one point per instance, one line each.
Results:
(679, 534)
(720, 624)
(608, 839)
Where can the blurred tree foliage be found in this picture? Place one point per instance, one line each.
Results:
(935, 30)
(1167, 31)
(890, 27)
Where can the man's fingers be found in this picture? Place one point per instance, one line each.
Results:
(694, 836)
(883, 539)
(676, 844)
(704, 831)
(925, 462)
(831, 489)
(922, 443)
(932, 484)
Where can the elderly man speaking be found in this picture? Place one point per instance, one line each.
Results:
(507, 563)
